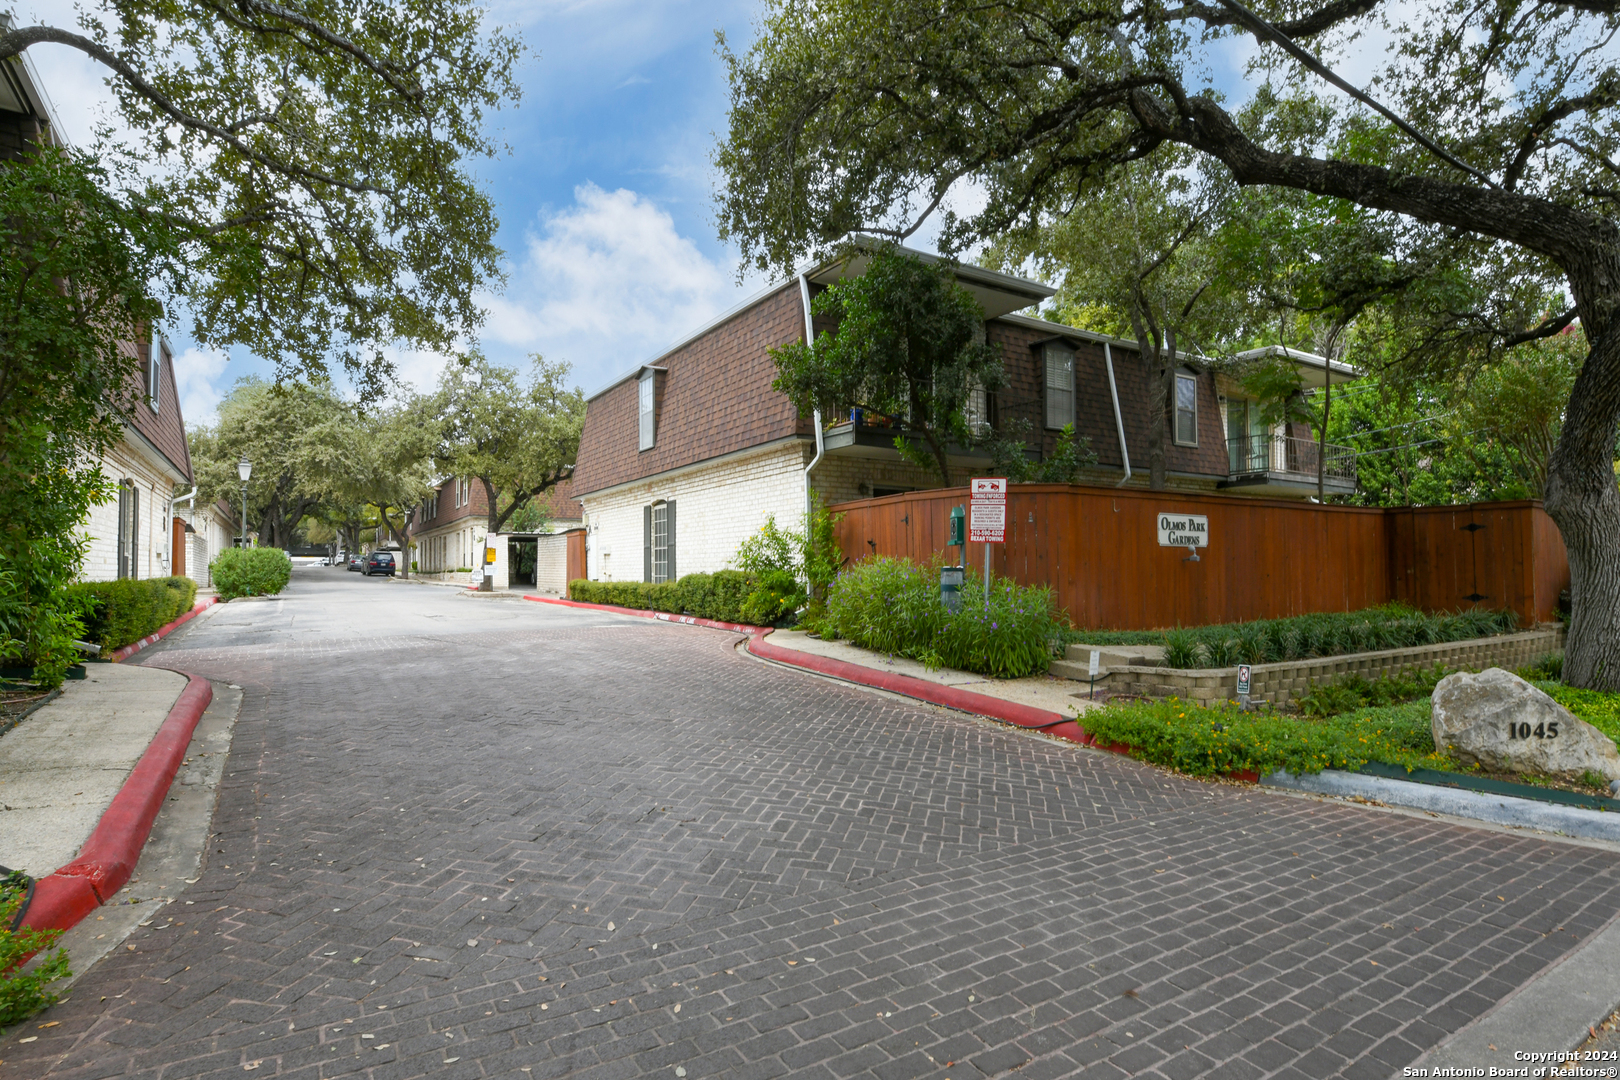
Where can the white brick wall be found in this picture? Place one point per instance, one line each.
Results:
(716, 508)
(153, 532)
(551, 566)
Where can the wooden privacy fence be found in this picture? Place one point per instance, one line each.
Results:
(1098, 548)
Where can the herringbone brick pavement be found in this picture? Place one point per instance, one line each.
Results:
(479, 839)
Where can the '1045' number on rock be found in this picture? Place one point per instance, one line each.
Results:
(1540, 731)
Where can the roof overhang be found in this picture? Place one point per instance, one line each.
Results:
(1314, 370)
(998, 294)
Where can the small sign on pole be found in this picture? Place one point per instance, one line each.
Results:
(1245, 679)
(1095, 656)
(987, 519)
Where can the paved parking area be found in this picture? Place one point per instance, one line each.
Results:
(483, 838)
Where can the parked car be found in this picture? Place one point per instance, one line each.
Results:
(357, 562)
(380, 562)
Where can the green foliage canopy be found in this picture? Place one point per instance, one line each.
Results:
(310, 160)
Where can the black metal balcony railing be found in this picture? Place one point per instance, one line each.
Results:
(1258, 454)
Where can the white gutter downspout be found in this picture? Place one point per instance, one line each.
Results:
(821, 446)
(1119, 423)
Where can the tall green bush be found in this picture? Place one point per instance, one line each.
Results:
(893, 605)
(250, 572)
(117, 613)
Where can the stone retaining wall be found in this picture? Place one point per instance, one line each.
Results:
(1281, 683)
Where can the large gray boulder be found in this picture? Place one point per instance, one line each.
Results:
(1497, 720)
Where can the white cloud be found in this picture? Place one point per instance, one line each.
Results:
(605, 284)
(198, 374)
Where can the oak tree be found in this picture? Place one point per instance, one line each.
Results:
(1499, 122)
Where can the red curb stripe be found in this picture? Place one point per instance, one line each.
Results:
(108, 857)
(59, 903)
(162, 632)
(1011, 712)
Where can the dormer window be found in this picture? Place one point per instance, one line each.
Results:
(1059, 360)
(1186, 418)
(647, 408)
(155, 355)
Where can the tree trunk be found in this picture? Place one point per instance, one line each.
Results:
(1156, 370)
(1582, 496)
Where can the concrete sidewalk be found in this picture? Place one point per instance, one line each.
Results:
(61, 767)
(1038, 691)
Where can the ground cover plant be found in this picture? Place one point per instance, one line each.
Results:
(1357, 692)
(250, 572)
(22, 994)
(893, 606)
(1220, 739)
(1266, 641)
(117, 613)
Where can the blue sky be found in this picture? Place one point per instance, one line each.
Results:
(605, 200)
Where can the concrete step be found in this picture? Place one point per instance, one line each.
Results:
(1117, 655)
(1080, 670)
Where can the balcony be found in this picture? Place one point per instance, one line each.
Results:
(1282, 465)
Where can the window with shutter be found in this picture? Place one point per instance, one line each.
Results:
(669, 537)
(154, 368)
(646, 543)
(1059, 385)
(1186, 420)
(647, 401)
(977, 412)
(660, 541)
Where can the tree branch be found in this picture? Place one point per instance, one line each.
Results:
(15, 41)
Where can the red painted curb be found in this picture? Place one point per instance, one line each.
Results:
(109, 856)
(1010, 712)
(162, 632)
(59, 903)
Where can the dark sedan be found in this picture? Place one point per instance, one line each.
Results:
(380, 562)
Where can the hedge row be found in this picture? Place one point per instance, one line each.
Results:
(719, 596)
(121, 612)
(250, 572)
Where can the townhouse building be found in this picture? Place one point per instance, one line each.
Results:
(684, 456)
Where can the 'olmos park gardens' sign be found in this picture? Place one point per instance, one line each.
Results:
(1183, 530)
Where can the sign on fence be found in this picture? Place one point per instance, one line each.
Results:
(987, 512)
(1183, 530)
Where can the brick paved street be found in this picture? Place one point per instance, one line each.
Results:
(482, 838)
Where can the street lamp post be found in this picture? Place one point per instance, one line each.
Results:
(244, 469)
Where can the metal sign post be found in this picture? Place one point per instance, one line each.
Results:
(987, 519)
(1094, 659)
(1243, 685)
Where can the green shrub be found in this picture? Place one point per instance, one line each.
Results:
(117, 613)
(728, 591)
(1550, 666)
(776, 595)
(24, 993)
(1211, 741)
(663, 596)
(1356, 692)
(1392, 626)
(250, 572)
(893, 606)
(697, 594)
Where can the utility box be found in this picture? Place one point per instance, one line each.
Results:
(950, 587)
(958, 527)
